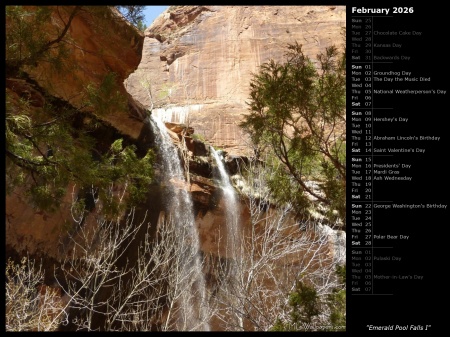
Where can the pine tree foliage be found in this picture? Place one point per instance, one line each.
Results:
(27, 42)
(51, 144)
(337, 302)
(297, 114)
(134, 14)
(307, 308)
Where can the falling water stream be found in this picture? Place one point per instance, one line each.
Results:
(193, 313)
(231, 205)
(233, 230)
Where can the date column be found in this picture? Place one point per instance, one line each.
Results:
(361, 258)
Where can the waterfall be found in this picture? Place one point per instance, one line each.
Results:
(231, 206)
(234, 247)
(179, 206)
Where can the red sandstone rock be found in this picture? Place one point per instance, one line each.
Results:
(98, 46)
(200, 58)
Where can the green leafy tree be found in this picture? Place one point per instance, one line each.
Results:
(51, 144)
(307, 308)
(47, 151)
(27, 40)
(134, 14)
(337, 302)
(297, 115)
(141, 26)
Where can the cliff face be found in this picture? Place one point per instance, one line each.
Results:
(97, 44)
(203, 56)
(198, 60)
